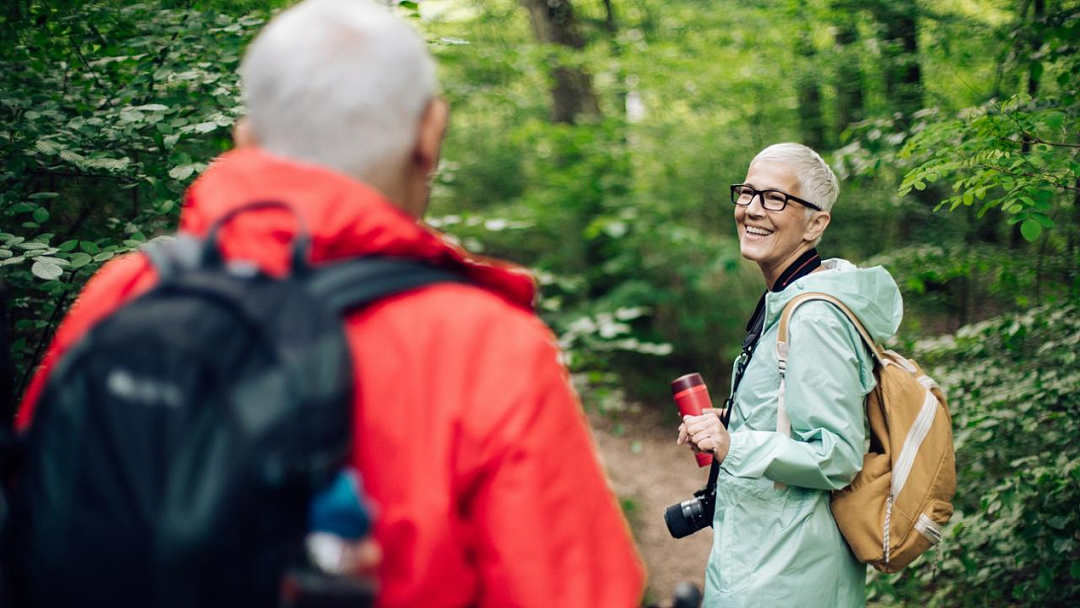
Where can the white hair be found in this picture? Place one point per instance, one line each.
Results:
(341, 83)
(817, 182)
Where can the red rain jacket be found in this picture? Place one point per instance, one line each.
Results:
(471, 441)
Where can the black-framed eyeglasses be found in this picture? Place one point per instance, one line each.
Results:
(771, 200)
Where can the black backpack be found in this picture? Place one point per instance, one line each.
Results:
(176, 448)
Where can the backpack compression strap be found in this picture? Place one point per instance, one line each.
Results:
(783, 423)
(172, 255)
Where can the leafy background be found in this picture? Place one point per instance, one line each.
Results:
(594, 141)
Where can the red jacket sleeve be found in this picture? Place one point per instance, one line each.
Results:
(117, 282)
(547, 527)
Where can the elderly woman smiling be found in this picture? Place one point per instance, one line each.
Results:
(775, 542)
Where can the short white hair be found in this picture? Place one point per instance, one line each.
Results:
(817, 182)
(340, 83)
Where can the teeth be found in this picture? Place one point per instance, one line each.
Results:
(758, 231)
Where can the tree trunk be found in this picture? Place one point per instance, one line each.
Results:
(900, 61)
(811, 124)
(849, 84)
(554, 22)
(807, 85)
(1032, 90)
(609, 17)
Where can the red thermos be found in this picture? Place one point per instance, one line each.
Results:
(691, 396)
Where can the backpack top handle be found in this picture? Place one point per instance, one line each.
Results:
(301, 242)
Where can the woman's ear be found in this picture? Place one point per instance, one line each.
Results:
(819, 221)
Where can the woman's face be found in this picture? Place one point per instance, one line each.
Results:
(773, 239)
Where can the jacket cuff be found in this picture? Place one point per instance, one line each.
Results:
(736, 453)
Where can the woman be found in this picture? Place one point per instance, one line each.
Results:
(775, 542)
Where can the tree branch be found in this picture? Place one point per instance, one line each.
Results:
(1042, 177)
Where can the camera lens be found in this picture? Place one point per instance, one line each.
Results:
(686, 518)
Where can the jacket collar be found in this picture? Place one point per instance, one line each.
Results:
(345, 218)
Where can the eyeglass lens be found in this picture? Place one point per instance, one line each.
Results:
(770, 199)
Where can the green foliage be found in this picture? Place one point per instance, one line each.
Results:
(1020, 154)
(1014, 392)
(108, 110)
(998, 157)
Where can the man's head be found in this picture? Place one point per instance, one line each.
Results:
(775, 227)
(347, 85)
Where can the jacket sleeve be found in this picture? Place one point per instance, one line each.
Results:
(546, 527)
(829, 372)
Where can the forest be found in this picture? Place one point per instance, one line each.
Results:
(594, 141)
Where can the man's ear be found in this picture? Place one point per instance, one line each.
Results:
(817, 225)
(429, 138)
(242, 134)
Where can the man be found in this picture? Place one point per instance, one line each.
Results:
(469, 437)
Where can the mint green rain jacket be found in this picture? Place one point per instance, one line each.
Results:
(781, 547)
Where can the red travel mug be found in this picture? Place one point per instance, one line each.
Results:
(692, 396)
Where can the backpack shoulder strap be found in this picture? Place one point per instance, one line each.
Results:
(346, 286)
(785, 320)
(783, 423)
(172, 255)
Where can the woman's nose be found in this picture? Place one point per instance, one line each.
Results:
(755, 207)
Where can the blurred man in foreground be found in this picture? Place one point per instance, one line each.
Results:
(468, 436)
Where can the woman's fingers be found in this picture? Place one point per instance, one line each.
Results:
(702, 423)
(683, 435)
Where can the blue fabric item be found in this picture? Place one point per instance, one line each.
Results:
(340, 509)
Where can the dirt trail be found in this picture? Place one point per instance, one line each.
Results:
(649, 472)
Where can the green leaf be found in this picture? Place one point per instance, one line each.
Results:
(131, 115)
(37, 196)
(1074, 570)
(46, 270)
(22, 207)
(1043, 219)
(182, 172)
(103, 256)
(89, 247)
(80, 259)
(41, 215)
(67, 246)
(1046, 577)
(1058, 523)
(1031, 230)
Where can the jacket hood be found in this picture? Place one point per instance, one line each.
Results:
(871, 293)
(345, 218)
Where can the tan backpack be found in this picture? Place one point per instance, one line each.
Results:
(897, 505)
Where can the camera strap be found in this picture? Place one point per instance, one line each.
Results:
(806, 263)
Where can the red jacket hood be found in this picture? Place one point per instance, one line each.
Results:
(346, 218)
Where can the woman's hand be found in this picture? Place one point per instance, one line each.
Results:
(704, 433)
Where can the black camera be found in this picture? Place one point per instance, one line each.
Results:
(689, 516)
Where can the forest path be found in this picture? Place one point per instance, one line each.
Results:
(649, 472)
